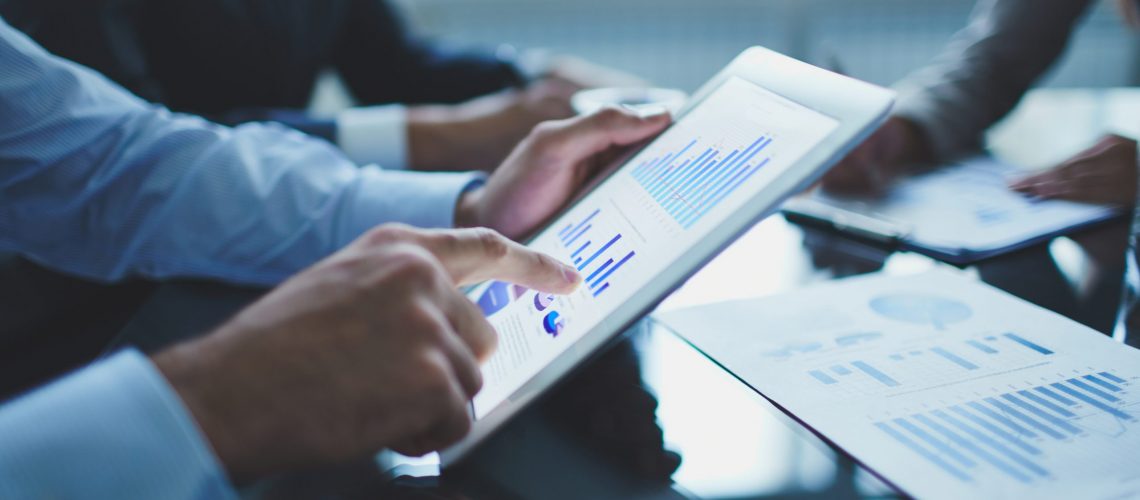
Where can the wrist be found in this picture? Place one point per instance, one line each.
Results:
(191, 371)
(467, 208)
(430, 136)
(914, 148)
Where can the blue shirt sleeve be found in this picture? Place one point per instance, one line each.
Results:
(100, 184)
(113, 430)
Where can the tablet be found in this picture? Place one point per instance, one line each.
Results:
(764, 128)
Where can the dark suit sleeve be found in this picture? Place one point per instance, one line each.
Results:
(382, 61)
(986, 69)
(100, 34)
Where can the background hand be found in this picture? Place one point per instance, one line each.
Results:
(874, 164)
(550, 166)
(1103, 173)
(371, 348)
(583, 74)
(480, 133)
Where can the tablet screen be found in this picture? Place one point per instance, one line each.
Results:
(641, 219)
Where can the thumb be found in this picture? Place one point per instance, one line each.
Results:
(1037, 184)
(584, 136)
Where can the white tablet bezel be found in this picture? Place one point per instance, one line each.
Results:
(858, 107)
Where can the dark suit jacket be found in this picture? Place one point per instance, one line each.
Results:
(244, 60)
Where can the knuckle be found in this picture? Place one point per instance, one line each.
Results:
(435, 377)
(449, 240)
(545, 130)
(481, 341)
(388, 233)
(419, 319)
(492, 244)
(545, 134)
(413, 265)
(611, 115)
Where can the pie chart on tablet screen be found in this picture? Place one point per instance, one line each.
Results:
(553, 323)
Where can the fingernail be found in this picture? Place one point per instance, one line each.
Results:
(570, 275)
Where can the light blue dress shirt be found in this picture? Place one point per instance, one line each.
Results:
(97, 183)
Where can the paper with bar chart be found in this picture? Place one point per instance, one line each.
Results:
(945, 387)
(641, 219)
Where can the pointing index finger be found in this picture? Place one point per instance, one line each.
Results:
(479, 254)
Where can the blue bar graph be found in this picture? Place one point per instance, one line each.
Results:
(1041, 414)
(579, 250)
(875, 373)
(1017, 338)
(922, 451)
(1113, 378)
(1025, 419)
(602, 289)
(1093, 390)
(688, 185)
(1046, 403)
(938, 444)
(705, 205)
(1065, 401)
(599, 252)
(1092, 402)
(599, 270)
(597, 264)
(972, 446)
(822, 377)
(984, 410)
(982, 347)
(597, 281)
(575, 235)
(954, 358)
(1103, 384)
(994, 432)
(571, 233)
(1002, 450)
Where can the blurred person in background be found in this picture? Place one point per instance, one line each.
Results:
(426, 106)
(945, 109)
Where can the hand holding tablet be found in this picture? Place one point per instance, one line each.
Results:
(764, 128)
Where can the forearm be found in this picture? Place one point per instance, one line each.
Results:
(97, 183)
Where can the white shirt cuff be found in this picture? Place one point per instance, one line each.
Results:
(376, 134)
(422, 199)
(115, 429)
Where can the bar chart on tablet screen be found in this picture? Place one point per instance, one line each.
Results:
(595, 253)
(687, 184)
(625, 232)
